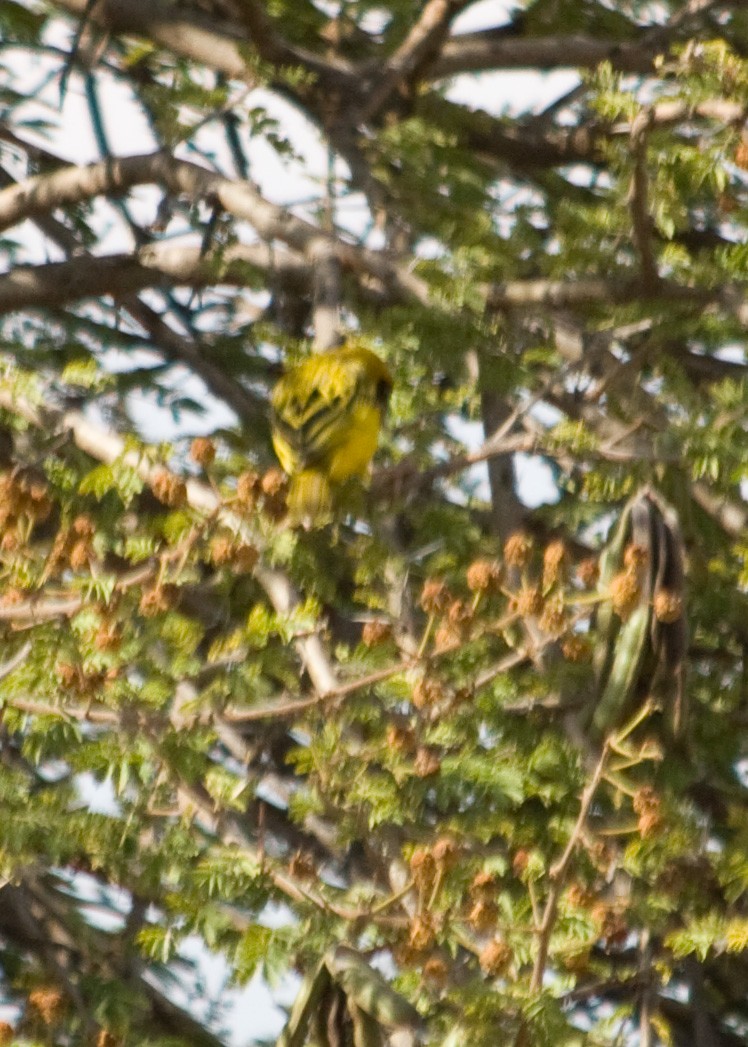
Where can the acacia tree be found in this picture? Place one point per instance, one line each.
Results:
(437, 738)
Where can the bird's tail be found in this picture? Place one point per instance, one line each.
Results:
(310, 498)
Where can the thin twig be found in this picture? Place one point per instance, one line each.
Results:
(558, 871)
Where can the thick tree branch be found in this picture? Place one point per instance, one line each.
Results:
(422, 43)
(160, 266)
(215, 42)
(110, 177)
(495, 49)
(639, 198)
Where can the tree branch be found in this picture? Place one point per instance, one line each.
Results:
(217, 43)
(558, 872)
(639, 198)
(421, 44)
(160, 265)
(73, 185)
(495, 49)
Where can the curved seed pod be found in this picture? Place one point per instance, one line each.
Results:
(369, 991)
(606, 621)
(366, 1032)
(308, 1005)
(642, 655)
(670, 638)
(629, 651)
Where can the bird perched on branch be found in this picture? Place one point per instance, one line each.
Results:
(326, 413)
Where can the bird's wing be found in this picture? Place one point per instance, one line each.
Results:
(309, 408)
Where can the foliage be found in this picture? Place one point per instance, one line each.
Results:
(426, 755)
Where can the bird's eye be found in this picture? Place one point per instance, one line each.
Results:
(382, 395)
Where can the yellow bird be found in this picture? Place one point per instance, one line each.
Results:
(326, 413)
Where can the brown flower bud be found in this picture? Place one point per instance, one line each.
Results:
(202, 451)
(624, 594)
(10, 541)
(635, 556)
(520, 861)
(554, 560)
(401, 738)
(484, 576)
(221, 549)
(459, 615)
(576, 648)
(169, 489)
(645, 799)
(446, 852)
(495, 958)
(80, 554)
(435, 971)
(553, 619)
(248, 487)
(649, 824)
(427, 692)
(376, 633)
(483, 886)
(108, 637)
(274, 483)
(157, 600)
(427, 762)
(245, 557)
(7, 1034)
(49, 1004)
(668, 606)
(435, 596)
(518, 549)
(422, 932)
(66, 673)
(529, 601)
(83, 526)
(39, 503)
(613, 927)
(483, 916)
(445, 637)
(579, 897)
(423, 868)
